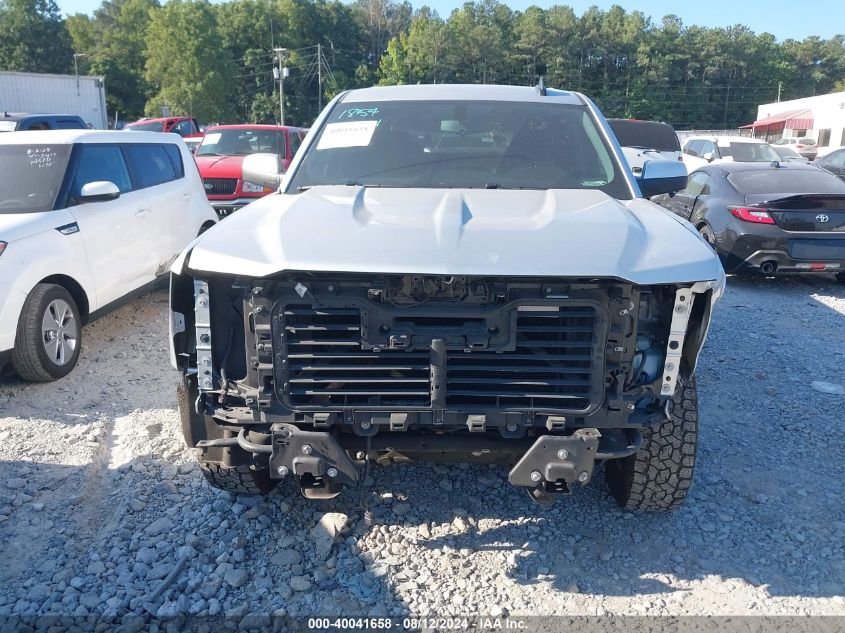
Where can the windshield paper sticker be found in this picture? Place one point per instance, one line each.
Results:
(211, 139)
(353, 134)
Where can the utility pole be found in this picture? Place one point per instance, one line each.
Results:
(780, 87)
(76, 57)
(319, 77)
(281, 73)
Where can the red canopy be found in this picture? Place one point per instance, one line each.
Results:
(791, 120)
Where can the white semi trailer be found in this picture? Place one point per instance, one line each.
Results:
(41, 93)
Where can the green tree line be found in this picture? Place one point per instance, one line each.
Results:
(215, 61)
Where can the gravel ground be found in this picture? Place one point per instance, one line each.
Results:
(101, 504)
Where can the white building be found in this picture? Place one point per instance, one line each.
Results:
(821, 117)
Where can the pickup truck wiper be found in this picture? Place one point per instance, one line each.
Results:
(495, 185)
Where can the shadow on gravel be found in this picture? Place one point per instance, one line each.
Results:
(586, 544)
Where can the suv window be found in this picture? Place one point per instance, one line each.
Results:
(32, 176)
(175, 157)
(462, 144)
(708, 147)
(150, 164)
(100, 162)
(693, 148)
(645, 135)
(750, 152)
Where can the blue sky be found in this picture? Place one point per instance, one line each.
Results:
(783, 18)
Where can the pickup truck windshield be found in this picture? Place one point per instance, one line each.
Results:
(461, 144)
(32, 176)
(241, 142)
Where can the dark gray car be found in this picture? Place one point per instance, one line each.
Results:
(833, 162)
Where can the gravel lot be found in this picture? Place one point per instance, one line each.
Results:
(100, 501)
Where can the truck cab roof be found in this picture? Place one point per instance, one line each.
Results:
(20, 121)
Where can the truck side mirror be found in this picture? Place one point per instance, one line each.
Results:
(263, 169)
(662, 176)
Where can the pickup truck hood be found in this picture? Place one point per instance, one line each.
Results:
(220, 166)
(571, 233)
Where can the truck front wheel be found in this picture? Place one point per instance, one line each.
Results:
(659, 475)
(237, 478)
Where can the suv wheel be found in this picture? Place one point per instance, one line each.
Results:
(49, 335)
(659, 475)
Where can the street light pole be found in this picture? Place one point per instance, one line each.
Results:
(76, 57)
(283, 72)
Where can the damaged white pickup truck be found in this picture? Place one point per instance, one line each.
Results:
(449, 273)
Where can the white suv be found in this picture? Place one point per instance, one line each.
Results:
(87, 219)
(702, 150)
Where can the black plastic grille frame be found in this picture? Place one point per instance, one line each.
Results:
(220, 186)
(328, 367)
(552, 366)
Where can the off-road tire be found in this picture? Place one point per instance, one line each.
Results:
(238, 479)
(29, 358)
(659, 475)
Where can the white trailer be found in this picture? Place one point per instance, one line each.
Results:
(41, 93)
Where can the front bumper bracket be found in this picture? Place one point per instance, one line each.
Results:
(315, 458)
(555, 462)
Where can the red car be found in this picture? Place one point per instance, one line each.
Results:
(182, 125)
(221, 154)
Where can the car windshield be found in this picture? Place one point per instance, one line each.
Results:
(645, 135)
(461, 144)
(241, 142)
(786, 180)
(155, 126)
(749, 152)
(32, 176)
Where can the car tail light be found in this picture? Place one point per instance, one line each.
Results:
(751, 214)
(2, 247)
